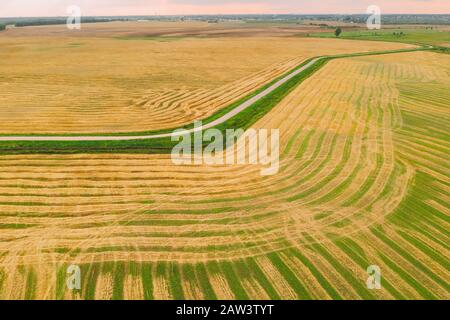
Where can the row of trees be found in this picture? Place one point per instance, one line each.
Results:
(54, 21)
(2, 27)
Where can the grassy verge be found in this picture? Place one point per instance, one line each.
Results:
(411, 36)
(290, 277)
(147, 281)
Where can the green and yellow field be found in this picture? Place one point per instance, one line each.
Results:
(364, 180)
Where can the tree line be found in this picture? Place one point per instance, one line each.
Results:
(55, 21)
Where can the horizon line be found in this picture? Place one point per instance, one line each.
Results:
(228, 14)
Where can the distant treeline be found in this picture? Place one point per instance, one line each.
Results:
(2, 27)
(402, 19)
(353, 18)
(286, 18)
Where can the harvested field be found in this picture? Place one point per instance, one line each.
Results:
(168, 29)
(60, 85)
(364, 180)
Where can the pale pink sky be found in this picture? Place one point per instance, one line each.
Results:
(14, 8)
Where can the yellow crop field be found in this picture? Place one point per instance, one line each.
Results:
(364, 180)
(105, 82)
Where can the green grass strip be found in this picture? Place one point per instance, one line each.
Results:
(147, 283)
(15, 225)
(225, 268)
(408, 279)
(175, 284)
(118, 280)
(356, 253)
(433, 254)
(89, 276)
(259, 275)
(411, 259)
(61, 282)
(327, 286)
(299, 288)
(202, 276)
(357, 284)
(30, 290)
